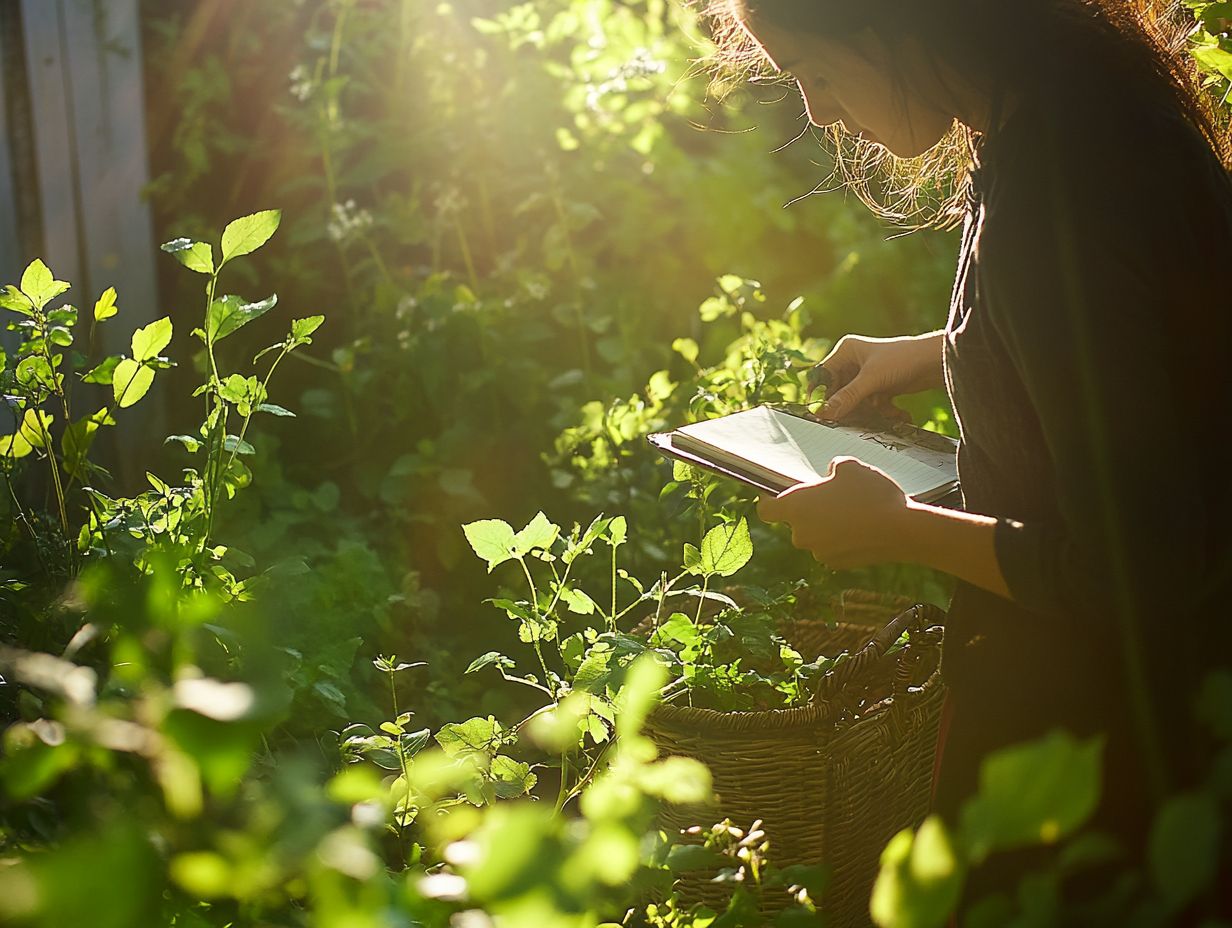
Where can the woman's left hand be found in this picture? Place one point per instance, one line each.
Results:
(854, 517)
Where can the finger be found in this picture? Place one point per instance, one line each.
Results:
(843, 403)
(769, 509)
(885, 408)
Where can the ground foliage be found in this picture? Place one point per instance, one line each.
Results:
(275, 685)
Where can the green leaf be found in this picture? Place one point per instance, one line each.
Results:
(1035, 793)
(105, 371)
(233, 444)
(577, 602)
(275, 410)
(491, 539)
(1209, 57)
(105, 308)
(247, 234)
(34, 371)
(35, 427)
(725, 549)
(39, 285)
(474, 736)
(920, 879)
(1184, 847)
(78, 437)
(14, 446)
(510, 777)
(617, 531)
(490, 659)
(692, 559)
(685, 858)
(196, 256)
(301, 329)
(231, 313)
(540, 533)
(18, 302)
(130, 382)
(149, 341)
(191, 444)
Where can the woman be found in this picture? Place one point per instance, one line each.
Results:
(1084, 356)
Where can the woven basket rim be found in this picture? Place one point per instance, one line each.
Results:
(814, 715)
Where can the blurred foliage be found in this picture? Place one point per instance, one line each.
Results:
(537, 241)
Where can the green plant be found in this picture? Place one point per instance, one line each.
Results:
(39, 383)
(1042, 794)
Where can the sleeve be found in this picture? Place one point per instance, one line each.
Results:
(1080, 266)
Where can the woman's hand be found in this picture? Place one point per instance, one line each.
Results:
(854, 517)
(865, 374)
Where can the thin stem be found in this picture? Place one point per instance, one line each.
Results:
(466, 255)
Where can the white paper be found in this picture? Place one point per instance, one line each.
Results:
(801, 449)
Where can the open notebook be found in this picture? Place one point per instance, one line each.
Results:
(773, 450)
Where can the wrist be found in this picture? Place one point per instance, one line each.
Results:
(915, 533)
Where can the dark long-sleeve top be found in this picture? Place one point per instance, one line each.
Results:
(1087, 362)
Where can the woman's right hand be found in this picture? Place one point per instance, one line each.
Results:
(865, 374)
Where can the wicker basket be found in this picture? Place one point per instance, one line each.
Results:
(832, 782)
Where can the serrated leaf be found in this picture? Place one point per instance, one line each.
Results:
(196, 256)
(248, 233)
(577, 601)
(275, 410)
(539, 533)
(725, 549)
(492, 539)
(511, 778)
(477, 735)
(231, 313)
(130, 382)
(303, 328)
(149, 341)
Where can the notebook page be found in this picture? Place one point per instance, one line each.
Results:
(802, 450)
(822, 445)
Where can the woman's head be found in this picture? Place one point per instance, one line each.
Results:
(904, 87)
(887, 96)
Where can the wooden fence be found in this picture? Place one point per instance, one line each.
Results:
(73, 160)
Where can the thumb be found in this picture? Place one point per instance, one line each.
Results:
(848, 398)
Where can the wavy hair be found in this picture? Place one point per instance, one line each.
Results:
(1111, 46)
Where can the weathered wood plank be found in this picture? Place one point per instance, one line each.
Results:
(10, 247)
(53, 140)
(103, 46)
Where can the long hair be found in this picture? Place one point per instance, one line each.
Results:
(1116, 47)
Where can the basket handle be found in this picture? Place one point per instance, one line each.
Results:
(917, 618)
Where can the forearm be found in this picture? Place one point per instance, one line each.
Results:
(929, 350)
(958, 543)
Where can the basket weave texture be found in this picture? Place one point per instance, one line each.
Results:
(833, 781)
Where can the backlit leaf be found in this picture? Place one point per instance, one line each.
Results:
(247, 234)
(130, 382)
(149, 341)
(196, 256)
(493, 540)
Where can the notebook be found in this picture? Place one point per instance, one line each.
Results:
(774, 449)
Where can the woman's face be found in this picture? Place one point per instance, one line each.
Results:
(862, 85)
